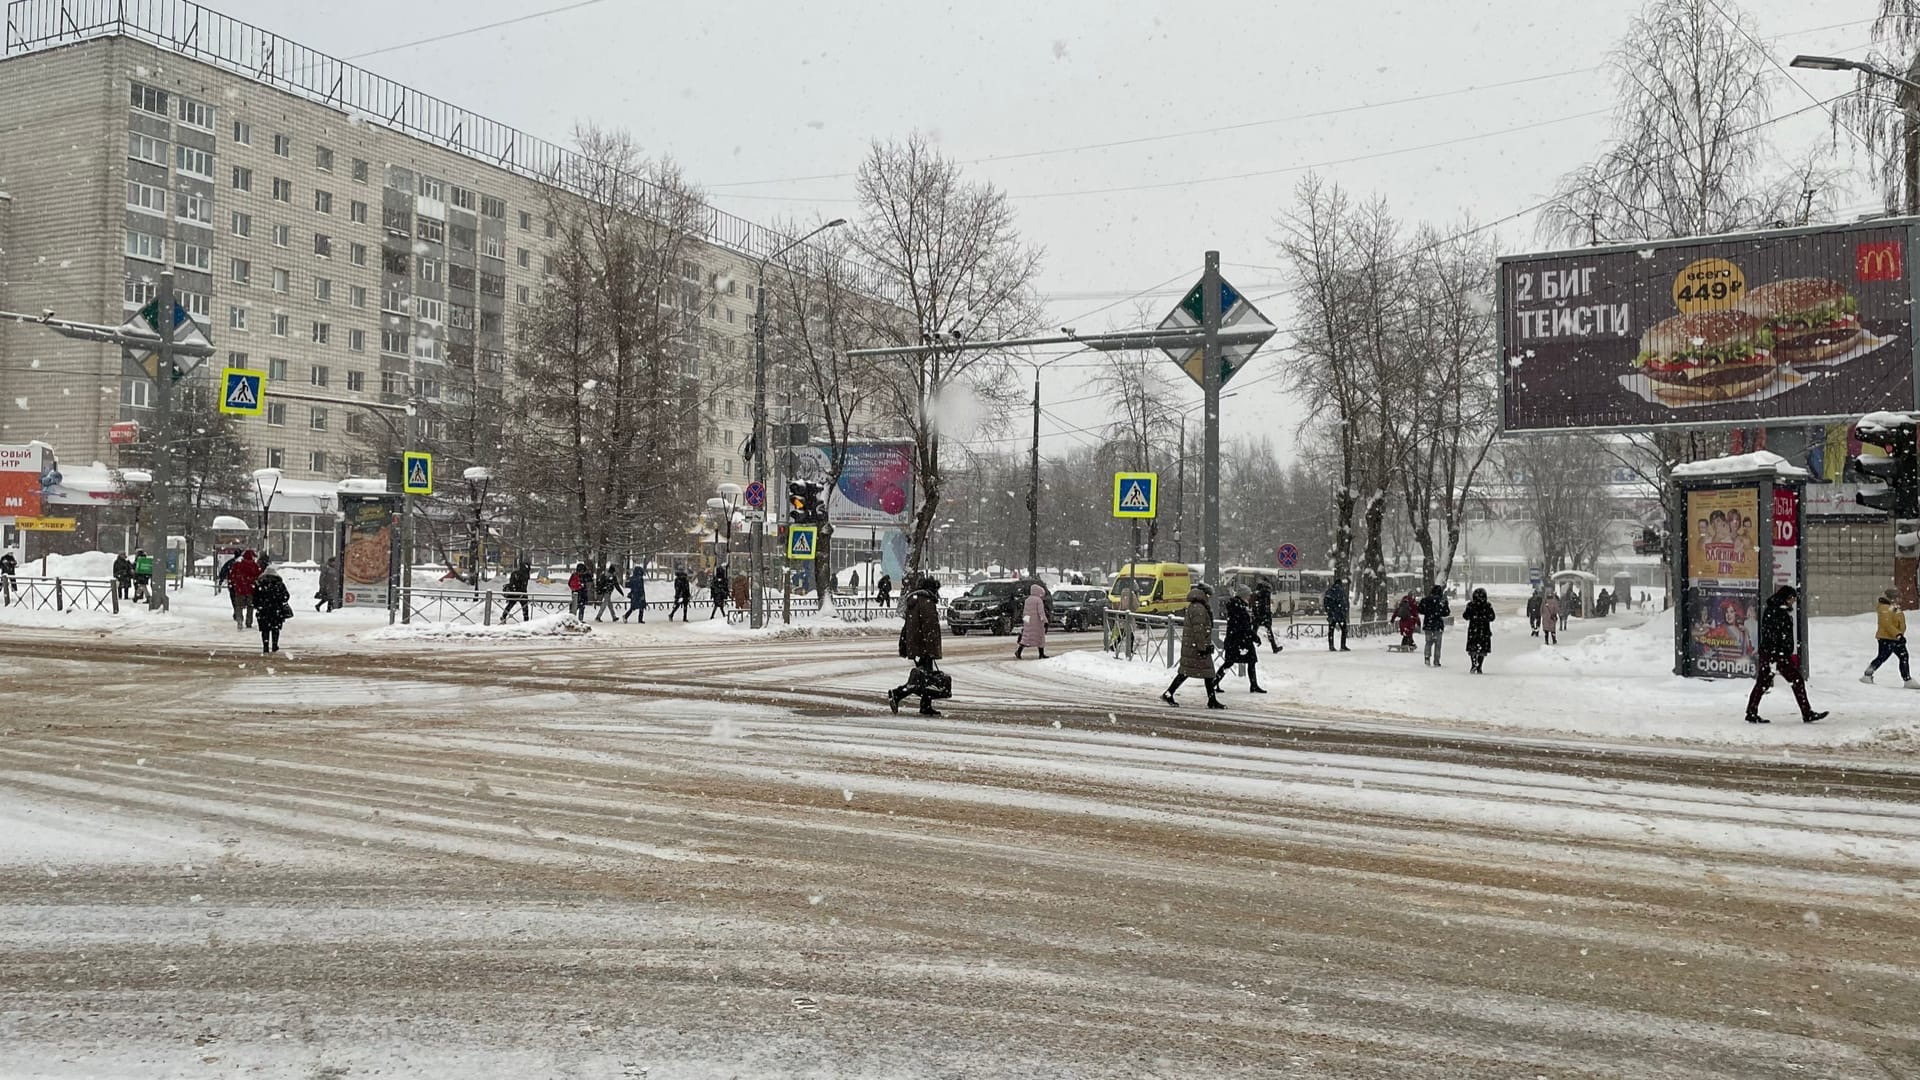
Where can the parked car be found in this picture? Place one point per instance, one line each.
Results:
(1077, 607)
(996, 607)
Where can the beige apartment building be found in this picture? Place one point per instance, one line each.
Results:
(351, 236)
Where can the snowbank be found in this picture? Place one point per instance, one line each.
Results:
(548, 626)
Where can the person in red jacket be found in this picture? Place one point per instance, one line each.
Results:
(1408, 614)
(240, 588)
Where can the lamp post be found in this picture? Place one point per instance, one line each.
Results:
(757, 611)
(1073, 553)
(266, 484)
(142, 481)
(477, 478)
(1909, 101)
(1033, 469)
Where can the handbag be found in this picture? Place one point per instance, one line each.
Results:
(930, 681)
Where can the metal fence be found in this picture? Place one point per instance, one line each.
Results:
(60, 594)
(1317, 631)
(1153, 639)
(488, 607)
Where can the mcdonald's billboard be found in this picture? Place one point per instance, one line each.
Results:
(1790, 325)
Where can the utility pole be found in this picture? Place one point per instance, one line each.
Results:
(1210, 465)
(162, 449)
(1180, 496)
(1033, 485)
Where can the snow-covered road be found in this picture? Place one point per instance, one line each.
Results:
(673, 861)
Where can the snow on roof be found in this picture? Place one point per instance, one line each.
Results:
(1883, 421)
(1760, 461)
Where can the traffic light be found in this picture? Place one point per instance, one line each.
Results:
(804, 504)
(1898, 469)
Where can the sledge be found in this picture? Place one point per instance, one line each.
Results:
(1403, 648)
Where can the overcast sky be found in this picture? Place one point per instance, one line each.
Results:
(749, 96)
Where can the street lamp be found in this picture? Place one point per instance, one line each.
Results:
(266, 484)
(477, 478)
(1073, 553)
(757, 615)
(1909, 102)
(142, 481)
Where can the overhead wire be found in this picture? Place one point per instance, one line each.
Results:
(451, 34)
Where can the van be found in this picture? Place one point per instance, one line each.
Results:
(1160, 586)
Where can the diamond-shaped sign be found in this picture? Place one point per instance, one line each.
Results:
(1236, 313)
(185, 332)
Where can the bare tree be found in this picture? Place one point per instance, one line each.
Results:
(1564, 487)
(1143, 419)
(1882, 115)
(953, 264)
(1688, 149)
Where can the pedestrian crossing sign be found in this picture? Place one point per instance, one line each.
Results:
(240, 392)
(1135, 495)
(802, 541)
(418, 478)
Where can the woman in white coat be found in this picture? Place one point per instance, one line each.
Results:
(1033, 623)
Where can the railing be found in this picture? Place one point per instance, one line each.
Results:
(60, 594)
(488, 607)
(1149, 638)
(1318, 630)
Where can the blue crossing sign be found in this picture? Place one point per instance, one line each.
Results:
(1135, 495)
(802, 541)
(418, 477)
(242, 392)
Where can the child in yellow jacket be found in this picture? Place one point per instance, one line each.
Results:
(1892, 635)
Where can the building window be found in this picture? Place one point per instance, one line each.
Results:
(522, 257)
(236, 318)
(242, 271)
(394, 300)
(356, 381)
(356, 342)
(489, 322)
(197, 209)
(463, 237)
(358, 211)
(147, 198)
(282, 235)
(426, 348)
(323, 245)
(492, 207)
(323, 159)
(323, 289)
(395, 262)
(526, 221)
(134, 393)
(146, 148)
(242, 224)
(492, 360)
(523, 294)
(357, 254)
(237, 359)
(551, 232)
(149, 100)
(460, 277)
(316, 418)
(276, 369)
(199, 305)
(282, 280)
(243, 133)
(317, 375)
(242, 179)
(322, 201)
(146, 246)
(546, 265)
(356, 423)
(322, 332)
(276, 456)
(276, 414)
(394, 342)
(359, 171)
(280, 325)
(432, 231)
(398, 222)
(282, 190)
(317, 461)
(196, 114)
(282, 146)
(424, 308)
(357, 295)
(462, 198)
(393, 382)
(195, 256)
(460, 317)
(493, 247)
(429, 269)
(432, 189)
(493, 285)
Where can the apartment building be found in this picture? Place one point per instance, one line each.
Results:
(353, 237)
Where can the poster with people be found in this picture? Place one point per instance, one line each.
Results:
(1725, 631)
(1723, 543)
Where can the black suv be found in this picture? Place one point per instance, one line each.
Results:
(1077, 607)
(996, 607)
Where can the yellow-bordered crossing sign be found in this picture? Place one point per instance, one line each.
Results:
(1136, 495)
(802, 541)
(417, 477)
(242, 392)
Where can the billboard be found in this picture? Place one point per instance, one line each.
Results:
(876, 482)
(367, 548)
(1798, 324)
(20, 481)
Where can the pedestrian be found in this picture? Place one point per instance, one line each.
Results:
(1533, 612)
(1434, 610)
(606, 586)
(1262, 607)
(1033, 622)
(636, 594)
(920, 643)
(273, 606)
(1892, 637)
(221, 575)
(742, 598)
(718, 590)
(1196, 647)
(123, 575)
(1479, 616)
(328, 594)
(883, 591)
(682, 595)
(1406, 616)
(142, 572)
(516, 593)
(1241, 644)
(1577, 602)
(1550, 619)
(1778, 652)
(1334, 603)
(1566, 606)
(853, 582)
(8, 566)
(240, 583)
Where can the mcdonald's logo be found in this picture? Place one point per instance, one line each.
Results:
(1878, 261)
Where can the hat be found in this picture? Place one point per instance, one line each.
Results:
(1891, 596)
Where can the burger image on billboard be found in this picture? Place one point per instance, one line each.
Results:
(1811, 319)
(1706, 356)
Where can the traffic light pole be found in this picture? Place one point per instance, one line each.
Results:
(1210, 383)
(162, 450)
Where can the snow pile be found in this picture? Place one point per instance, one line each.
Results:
(97, 565)
(824, 624)
(1760, 461)
(548, 626)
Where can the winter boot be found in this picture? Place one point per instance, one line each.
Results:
(893, 701)
(927, 709)
(1868, 677)
(1756, 718)
(1043, 653)
(1812, 717)
(1911, 685)
(1017, 650)
(1253, 683)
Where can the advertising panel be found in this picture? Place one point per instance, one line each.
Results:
(20, 481)
(1725, 631)
(367, 538)
(1722, 542)
(876, 483)
(1788, 325)
(1786, 537)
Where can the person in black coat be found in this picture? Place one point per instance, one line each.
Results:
(1334, 603)
(1777, 651)
(1533, 613)
(516, 593)
(883, 591)
(682, 595)
(717, 591)
(1434, 610)
(1479, 616)
(636, 594)
(123, 575)
(920, 643)
(1262, 605)
(1242, 643)
(272, 607)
